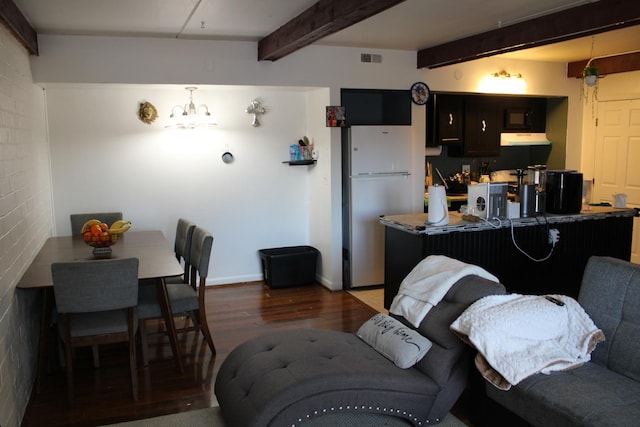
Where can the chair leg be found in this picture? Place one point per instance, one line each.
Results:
(96, 355)
(68, 358)
(132, 355)
(202, 316)
(144, 345)
(204, 328)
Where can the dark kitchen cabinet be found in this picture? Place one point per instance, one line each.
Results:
(445, 119)
(481, 128)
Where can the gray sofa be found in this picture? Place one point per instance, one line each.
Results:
(605, 391)
(309, 376)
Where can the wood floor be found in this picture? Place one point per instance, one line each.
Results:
(235, 314)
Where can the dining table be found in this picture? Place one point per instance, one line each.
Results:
(156, 262)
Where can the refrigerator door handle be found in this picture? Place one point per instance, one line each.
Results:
(379, 174)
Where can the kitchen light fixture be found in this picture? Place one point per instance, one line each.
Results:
(505, 75)
(503, 82)
(190, 117)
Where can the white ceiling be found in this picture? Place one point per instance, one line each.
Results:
(411, 25)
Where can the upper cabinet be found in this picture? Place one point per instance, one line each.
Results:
(481, 128)
(471, 124)
(445, 117)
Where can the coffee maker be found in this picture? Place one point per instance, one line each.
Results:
(532, 190)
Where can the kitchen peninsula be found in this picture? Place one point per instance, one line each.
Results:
(517, 251)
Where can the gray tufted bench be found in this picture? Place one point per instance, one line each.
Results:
(288, 378)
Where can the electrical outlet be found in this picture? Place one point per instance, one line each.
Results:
(466, 168)
(554, 236)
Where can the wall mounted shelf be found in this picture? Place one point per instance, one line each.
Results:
(300, 162)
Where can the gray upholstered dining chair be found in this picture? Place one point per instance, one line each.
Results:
(96, 304)
(78, 220)
(186, 299)
(182, 248)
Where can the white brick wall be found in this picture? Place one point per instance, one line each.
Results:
(25, 222)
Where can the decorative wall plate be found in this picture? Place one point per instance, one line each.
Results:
(420, 93)
(147, 113)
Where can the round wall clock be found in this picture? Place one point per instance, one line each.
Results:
(420, 93)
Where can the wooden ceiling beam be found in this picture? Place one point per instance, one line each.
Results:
(585, 20)
(607, 65)
(15, 21)
(320, 20)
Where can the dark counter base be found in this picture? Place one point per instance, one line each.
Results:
(494, 251)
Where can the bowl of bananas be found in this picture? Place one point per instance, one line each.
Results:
(101, 236)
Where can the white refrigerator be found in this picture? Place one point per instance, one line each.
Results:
(376, 181)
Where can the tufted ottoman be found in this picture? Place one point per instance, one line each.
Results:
(287, 378)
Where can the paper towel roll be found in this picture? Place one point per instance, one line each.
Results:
(438, 210)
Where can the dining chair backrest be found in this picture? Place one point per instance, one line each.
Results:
(78, 220)
(96, 285)
(201, 244)
(184, 235)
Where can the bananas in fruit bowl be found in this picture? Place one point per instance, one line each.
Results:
(99, 235)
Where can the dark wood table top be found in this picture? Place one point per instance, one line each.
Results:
(150, 247)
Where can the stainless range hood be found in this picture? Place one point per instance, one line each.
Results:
(517, 139)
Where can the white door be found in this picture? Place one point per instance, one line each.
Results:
(617, 158)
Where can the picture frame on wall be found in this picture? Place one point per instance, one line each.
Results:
(336, 116)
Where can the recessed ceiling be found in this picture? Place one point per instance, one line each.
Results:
(411, 25)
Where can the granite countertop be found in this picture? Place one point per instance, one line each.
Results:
(416, 223)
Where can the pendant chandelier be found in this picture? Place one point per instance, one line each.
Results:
(189, 116)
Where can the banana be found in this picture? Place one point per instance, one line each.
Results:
(87, 225)
(119, 227)
(119, 223)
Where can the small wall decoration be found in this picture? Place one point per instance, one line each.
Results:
(256, 109)
(420, 93)
(336, 116)
(147, 113)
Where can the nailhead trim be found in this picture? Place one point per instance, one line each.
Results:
(370, 408)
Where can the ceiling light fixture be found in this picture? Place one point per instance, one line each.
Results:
(190, 117)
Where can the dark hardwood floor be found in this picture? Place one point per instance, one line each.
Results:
(235, 314)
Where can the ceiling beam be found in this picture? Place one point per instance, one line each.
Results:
(585, 20)
(320, 20)
(607, 65)
(15, 21)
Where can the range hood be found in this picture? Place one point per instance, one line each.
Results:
(517, 139)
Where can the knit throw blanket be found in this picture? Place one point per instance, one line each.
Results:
(428, 283)
(520, 335)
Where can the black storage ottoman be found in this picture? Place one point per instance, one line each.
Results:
(289, 266)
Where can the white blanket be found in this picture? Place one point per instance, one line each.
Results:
(428, 283)
(521, 335)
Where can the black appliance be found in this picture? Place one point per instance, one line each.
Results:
(564, 191)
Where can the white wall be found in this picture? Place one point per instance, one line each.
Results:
(25, 223)
(104, 159)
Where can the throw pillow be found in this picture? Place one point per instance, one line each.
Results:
(395, 341)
